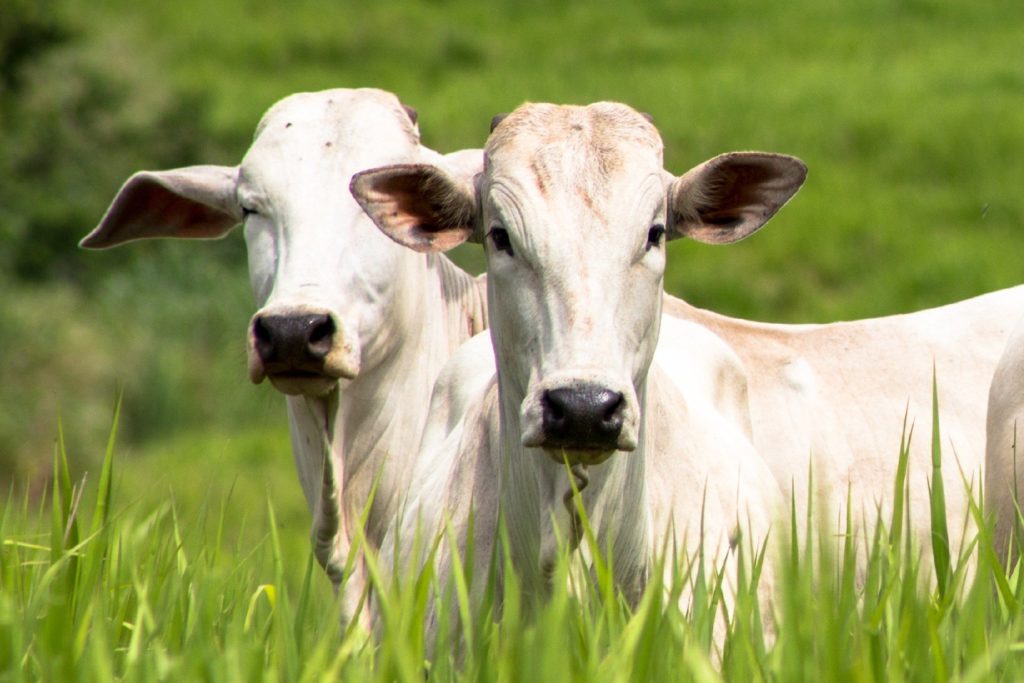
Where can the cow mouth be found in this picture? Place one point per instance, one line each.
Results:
(300, 374)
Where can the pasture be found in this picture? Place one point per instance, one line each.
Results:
(910, 115)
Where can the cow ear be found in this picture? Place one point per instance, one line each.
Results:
(732, 195)
(196, 202)
(420, 206)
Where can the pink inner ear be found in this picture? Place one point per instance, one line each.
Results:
(734, 195)
(417, 206)
(443, 240)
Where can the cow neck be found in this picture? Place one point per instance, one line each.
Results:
(364, 426)
(615, 499)
(385, 403)
(465, 300)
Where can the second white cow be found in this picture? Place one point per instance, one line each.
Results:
(574, 209)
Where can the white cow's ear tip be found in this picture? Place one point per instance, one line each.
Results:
(799, 164)
(90, 241)
(358, 182)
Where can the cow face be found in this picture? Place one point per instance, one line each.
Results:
(572, 216)
(573, 208)
(323, 277)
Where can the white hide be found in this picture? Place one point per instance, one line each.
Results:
(1004, 464)
(396, 316)
(834, 401)
(583, 207)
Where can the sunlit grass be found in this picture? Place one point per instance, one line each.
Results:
(92, 588)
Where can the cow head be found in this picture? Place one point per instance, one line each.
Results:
(574, 208)
(322, 276)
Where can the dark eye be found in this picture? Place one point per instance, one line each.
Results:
(247, 211)
(500, 240)
(654, 235)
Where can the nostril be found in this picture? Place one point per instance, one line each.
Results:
(613, 402)
(263, 339)
(613, 409)
(553, 413)
(322, 330)
(260, 331)
(553, 409)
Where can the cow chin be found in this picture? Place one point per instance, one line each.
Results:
(573, 457)
(298, 385)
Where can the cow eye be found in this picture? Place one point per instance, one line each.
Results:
(654, 235)
(500, 239)
(248, 211)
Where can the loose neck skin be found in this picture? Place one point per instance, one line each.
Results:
(372, 422)
(533, 497)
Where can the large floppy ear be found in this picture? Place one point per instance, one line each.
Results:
(732, 195)
(421, 206)
(195, 202)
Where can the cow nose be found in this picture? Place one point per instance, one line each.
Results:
(296, 340)
(582, 417)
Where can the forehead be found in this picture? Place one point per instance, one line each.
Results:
(555, 145)
(353, 119)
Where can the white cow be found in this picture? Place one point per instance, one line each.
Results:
(1004, 455)
(353, 327)
(574, 208)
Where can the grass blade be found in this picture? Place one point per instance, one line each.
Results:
(939, 529)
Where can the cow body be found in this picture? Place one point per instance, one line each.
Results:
(1004, 466)
(352, 327)
(698, 467)
(834, 402)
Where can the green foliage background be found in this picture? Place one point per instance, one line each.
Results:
(910, 114)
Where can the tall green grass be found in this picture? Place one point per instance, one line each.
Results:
(94, 589)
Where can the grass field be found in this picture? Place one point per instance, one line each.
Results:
(909, 113)
(104, 587)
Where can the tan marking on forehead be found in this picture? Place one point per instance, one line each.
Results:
(540, 124)
(581, 145)
(541, 174)
(588, 201)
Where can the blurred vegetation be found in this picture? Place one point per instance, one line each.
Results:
(910, 114)
(76, 329)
